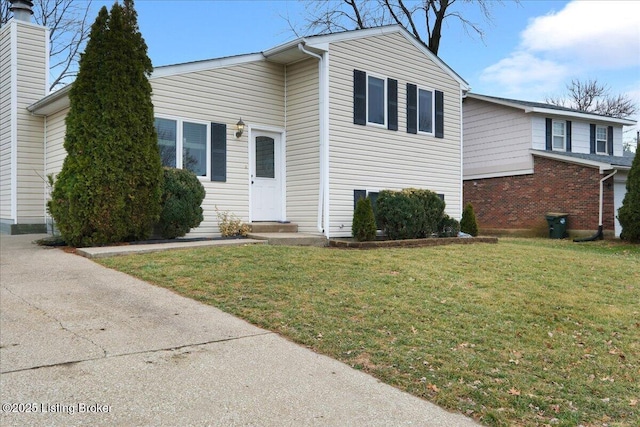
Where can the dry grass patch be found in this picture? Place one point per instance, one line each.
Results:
(525, 332)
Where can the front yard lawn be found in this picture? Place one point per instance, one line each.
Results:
(525, 332)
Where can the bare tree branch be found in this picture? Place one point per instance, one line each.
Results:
(327, 16)
(69, 27)
(593, 97)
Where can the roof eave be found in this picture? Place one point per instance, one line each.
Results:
(602, 166)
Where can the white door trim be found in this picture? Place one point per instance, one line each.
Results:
(252, 130)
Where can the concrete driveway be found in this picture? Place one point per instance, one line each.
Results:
(84, 345)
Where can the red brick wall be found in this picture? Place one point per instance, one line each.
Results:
(521, 202)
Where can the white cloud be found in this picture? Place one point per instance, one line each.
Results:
(581, 40)
(523, 71)
(603, 34)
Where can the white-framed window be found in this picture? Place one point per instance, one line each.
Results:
(601, 140)
(426, 100)
(184, 144)
(559, 135)
(376, 100)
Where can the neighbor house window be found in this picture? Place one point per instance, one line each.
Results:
(601, 140)
(184, 144)
(376, 100)
(425, 111)
(559, 135)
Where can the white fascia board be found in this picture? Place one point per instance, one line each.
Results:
(552, 111)
(498, 174)
(51, 103)
(210, 64)
(579, 115)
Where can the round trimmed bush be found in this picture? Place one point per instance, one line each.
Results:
(182, 196)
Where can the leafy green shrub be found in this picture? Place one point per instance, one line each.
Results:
(363, 227)
(629, 212)
(182, 196)
(399, 214)
(468, 222)
(230, 225)
(432, 210)
(109, 188)
(448, 227)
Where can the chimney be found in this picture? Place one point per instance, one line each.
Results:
(22, 9)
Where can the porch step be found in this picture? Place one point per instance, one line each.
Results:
(273, 227)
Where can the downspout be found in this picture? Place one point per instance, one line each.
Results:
(599, 234)
(323, 149)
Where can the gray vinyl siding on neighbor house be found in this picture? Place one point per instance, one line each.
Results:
(252, 91)
(497, 140)
(580, 134)
(5, 123)
(303, 145)
(375, 158)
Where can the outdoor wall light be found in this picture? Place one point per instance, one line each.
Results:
(240, 126)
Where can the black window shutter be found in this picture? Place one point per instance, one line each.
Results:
(548, 135)
(610, 140)
(592, 139)
(439, 114)
(412, 108)
(569, 136)
(218, 152)
(359, 97)
(357, 195)
(392, 104)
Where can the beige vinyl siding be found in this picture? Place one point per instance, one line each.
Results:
(374, 158)
(5, 124)
(303, 146)
(252, 91)
(55, 153)
(497, 140)
(31, 87)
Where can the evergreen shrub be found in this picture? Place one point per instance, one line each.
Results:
(399, 214)
(468, 223)
(363, 227)
(448, 227)
(109, 188)
(629, 212)
(182, 198)
(432, 210)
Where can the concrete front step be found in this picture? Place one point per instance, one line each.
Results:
(290, 239)
(273, 227)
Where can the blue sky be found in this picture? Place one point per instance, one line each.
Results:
(531, 49)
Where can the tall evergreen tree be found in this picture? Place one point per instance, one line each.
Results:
(109, 188)
(629, 212)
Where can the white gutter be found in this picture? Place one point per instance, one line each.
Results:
(601, 191)
(323, 113)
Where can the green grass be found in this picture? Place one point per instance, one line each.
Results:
(525, 332)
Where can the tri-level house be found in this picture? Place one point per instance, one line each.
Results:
(326, 119)
(523, 160)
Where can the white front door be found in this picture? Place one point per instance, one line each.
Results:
(266, 176)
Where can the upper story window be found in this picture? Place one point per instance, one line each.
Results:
(601, 140)
(376, 100)
(559, 135)
(184, 145)
(425, 110)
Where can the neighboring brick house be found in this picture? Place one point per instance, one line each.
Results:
(523, 160)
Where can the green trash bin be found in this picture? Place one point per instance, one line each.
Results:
(557, 225)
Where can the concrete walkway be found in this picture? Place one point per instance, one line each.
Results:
(84, 345)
